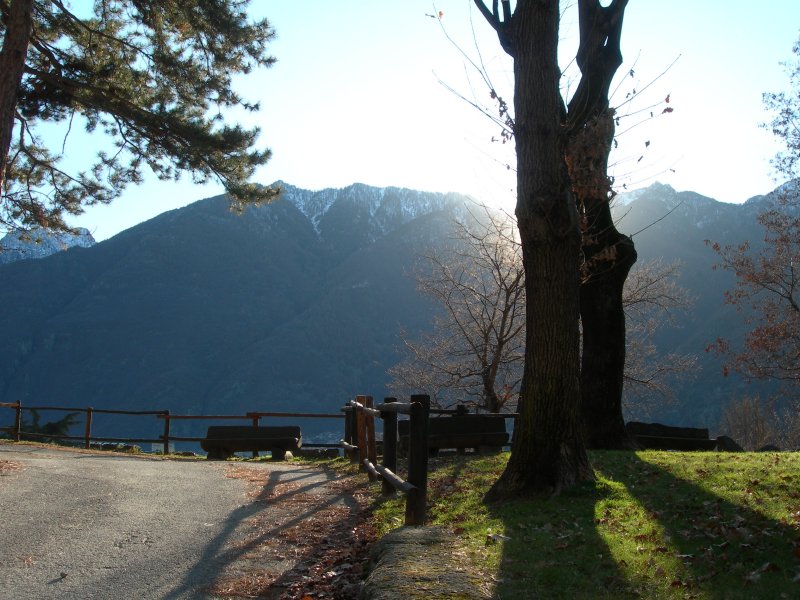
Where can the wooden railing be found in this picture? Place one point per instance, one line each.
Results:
(359, 441)
(166, 437)
(17, 432)
(360, 428)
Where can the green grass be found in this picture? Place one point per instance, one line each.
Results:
(653, 525)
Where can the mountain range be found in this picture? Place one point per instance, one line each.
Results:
(295, 304)
(298, 305)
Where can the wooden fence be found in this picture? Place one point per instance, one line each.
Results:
(359, 438)
(165, 416)
(360, 428)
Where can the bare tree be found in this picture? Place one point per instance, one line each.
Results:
(475, 351)
(751, 423)
(767, 293)
(653, 300)
(606, 254)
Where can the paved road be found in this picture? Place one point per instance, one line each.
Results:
(106, 526)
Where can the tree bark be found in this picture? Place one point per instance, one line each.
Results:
(547, 451)
(19, 27)
(603, 321)
(607, 259)
(608, 255)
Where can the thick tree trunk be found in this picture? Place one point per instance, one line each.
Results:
(12, 64)
(491, 401)
(547, 451)
(609, 260)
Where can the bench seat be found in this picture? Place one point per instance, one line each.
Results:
(655, 436)
(482, 433)
(223, 441)
(653, 442)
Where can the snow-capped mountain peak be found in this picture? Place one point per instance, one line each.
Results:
(39, 243)
(383, 209)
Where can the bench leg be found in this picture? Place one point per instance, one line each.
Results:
(217, 454)
(278, 454)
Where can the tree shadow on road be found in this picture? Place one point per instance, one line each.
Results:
(269, 543)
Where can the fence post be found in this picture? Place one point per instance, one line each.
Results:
(18, 421)
(348, 428)
(372, 451)
(256, 420)
(416, 502)
(166, 432)
(361, 432)
(389, 419)
(87, 433)
(353, 416)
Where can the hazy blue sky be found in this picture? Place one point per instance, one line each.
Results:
(356, 97)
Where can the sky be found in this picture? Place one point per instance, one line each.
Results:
(381, 93)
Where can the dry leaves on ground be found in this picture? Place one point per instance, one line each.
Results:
(311, 547)
(7, 467)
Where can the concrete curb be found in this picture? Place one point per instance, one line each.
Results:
(421, 562)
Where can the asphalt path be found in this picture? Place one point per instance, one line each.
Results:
(108, 526)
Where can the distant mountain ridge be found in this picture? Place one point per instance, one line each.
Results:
(40, 243)
(388, 208)
(298, 304)
(674, 225)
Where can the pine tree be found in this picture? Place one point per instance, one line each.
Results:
(50, 431)
(155, 76)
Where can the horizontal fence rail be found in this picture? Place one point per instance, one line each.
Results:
(166, 437)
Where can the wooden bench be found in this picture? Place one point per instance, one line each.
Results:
(222, 441)
(480, 432)
(655, 436)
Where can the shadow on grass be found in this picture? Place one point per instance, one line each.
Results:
(723, 526)
(554, 549)
(654, 525)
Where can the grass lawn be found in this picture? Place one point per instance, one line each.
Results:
(653, 525)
